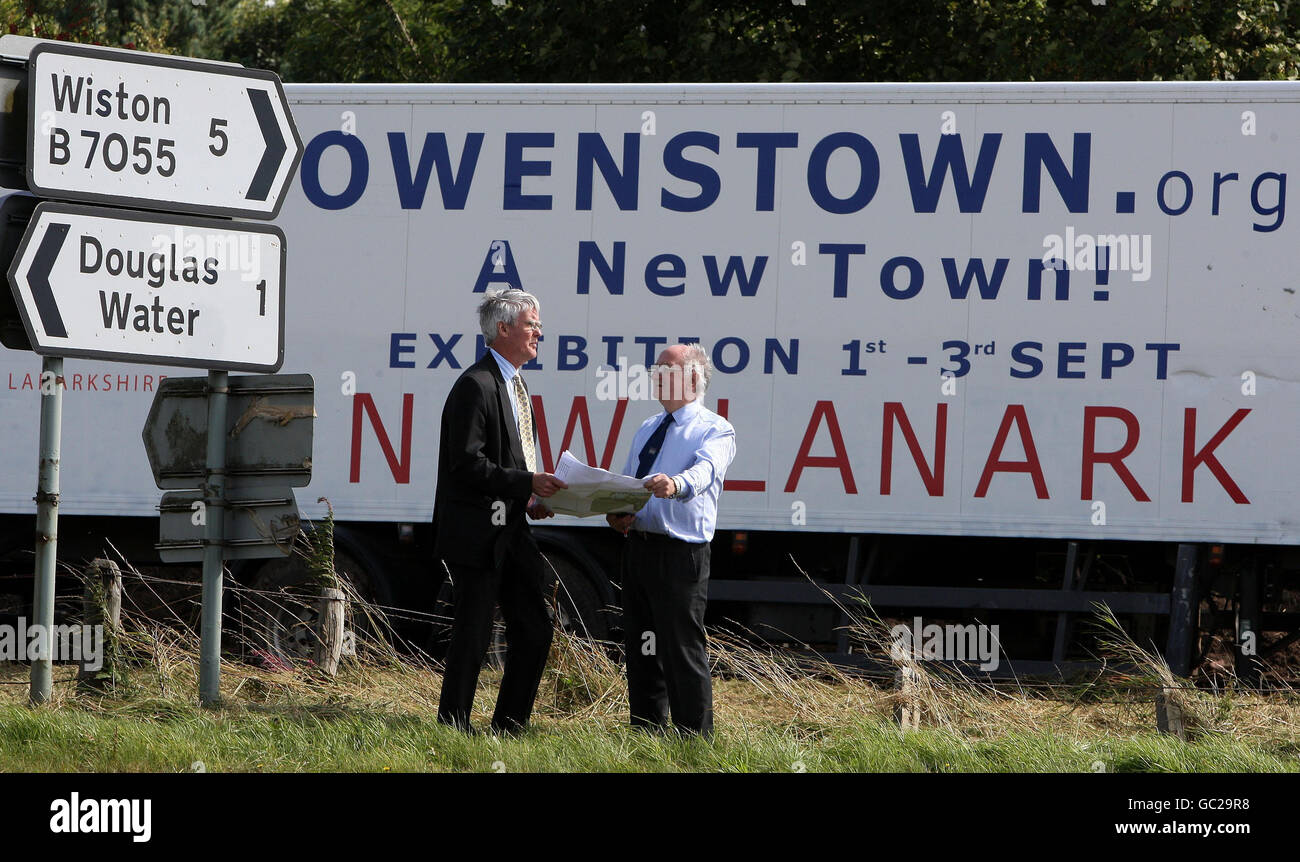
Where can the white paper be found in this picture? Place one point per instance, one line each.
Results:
(593, 491)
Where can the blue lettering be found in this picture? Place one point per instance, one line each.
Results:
(454, 188)
(747, 282)
(1071, 184)
(949, 157)
(868, 178)
(517, 168)
(676, 163)
(622, 184)
(359, 173)
(767, 143)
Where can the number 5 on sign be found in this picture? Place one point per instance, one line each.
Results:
(157, 132)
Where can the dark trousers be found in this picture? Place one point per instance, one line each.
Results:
(518, 588)
(665, 587)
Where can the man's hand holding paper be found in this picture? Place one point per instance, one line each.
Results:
(592, 491)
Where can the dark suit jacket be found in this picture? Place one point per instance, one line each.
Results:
(480, 462)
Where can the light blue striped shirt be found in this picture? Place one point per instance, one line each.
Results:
(697, 451)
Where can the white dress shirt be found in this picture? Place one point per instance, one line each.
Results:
(508, 372)
(696, 452)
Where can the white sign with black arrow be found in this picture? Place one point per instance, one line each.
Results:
(157, 132)
(144, 287)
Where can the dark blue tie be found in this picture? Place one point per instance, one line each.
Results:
(652, 446)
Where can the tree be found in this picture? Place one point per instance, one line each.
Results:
(670, 41)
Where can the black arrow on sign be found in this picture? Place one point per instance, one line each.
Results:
(260, 187)
(38, 279)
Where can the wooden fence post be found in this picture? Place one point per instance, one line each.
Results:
(329, 629)
(101, 605)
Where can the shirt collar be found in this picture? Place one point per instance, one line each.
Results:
(686, 412)
(508, 370)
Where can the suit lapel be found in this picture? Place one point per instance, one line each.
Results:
(507, 411)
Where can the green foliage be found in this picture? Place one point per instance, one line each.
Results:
(347, 41)
(320, 550)
(160, 26)
(697, 40)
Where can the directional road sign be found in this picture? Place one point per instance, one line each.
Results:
(268, 441)
(142, 287)
(157, 132)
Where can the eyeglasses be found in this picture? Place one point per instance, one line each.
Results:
(533, 327)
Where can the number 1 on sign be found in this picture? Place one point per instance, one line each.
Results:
(261, 302)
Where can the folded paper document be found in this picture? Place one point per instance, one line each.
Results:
(593, 491)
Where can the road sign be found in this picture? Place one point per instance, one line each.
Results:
(162, 289)
(268, 438)
(259, 523)
(157, 132)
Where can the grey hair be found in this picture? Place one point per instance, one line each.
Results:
(697, 357)
(503, 306)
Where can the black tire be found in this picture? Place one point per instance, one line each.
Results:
(577, 604)
(278, 616)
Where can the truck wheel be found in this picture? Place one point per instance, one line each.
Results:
(279, 616)
(577, 604)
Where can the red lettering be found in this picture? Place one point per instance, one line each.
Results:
(1206, 455)
(578, 415)
(840, 459)
(148, 383)
(933, 479)
(1014, 413)
(27, 382)
(123, 381)
(738, 484)
(362, 402)
(1091, 457)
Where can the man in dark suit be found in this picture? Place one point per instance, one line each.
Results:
(488, 479)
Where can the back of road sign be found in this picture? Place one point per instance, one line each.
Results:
(268, 441)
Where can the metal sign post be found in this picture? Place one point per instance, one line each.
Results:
(47, 525)
(215, 505)
(246, 440)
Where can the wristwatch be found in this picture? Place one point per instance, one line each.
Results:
(678, 486)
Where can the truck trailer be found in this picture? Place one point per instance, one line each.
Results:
(993, 352)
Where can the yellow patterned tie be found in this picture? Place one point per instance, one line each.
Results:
(525, 423)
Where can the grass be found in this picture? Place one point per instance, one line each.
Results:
(284, 731)
(774, 713)
(380, 718)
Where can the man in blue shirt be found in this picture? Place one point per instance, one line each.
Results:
(683, 453)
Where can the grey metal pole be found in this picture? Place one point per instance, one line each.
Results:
(213, 534)
(47, 525)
